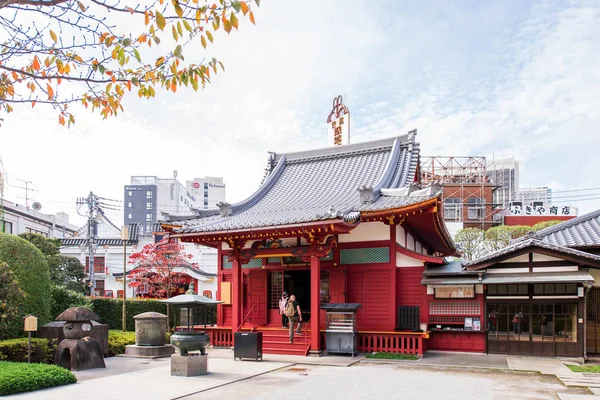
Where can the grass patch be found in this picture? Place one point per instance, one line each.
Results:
(585, 368)
(393, 356)
(23, 377)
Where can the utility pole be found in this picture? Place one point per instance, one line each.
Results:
(91, 202)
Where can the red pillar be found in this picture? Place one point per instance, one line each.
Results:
(315, 303)
(236, 298)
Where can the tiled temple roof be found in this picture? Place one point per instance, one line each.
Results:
(321, 185)
(580, 232)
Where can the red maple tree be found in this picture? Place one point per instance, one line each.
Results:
(156, 263)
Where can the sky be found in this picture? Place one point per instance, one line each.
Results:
(493, 78)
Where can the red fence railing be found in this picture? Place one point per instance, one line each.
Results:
(221, 337)
(401, 343)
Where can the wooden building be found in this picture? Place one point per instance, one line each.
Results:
(341, 224)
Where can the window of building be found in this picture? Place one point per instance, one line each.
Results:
(31, 230)
(149, 205)
(6, 227)
(129, 216)
(148, 217)
(130, 193)
(275, 289)
(452, 209)
(476, 209)
(99, 265)
(148, 194)
(129, 204)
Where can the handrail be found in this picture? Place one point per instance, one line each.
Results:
(305, 329)
(246, 317)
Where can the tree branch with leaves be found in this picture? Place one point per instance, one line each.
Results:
(64, 52)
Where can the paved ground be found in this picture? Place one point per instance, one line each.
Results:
(437, 376)
(387, 381)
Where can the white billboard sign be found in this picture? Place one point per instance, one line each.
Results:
(516, 209)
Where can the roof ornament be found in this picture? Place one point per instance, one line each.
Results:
(224, 209)
(338, 123)
(366, 195)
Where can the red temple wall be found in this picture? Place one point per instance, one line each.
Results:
(370, 287)
(410, 292)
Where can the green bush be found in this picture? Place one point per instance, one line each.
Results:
(117, 340)
(63, 298)
(393, 356)
(16, 350)
(31, 272)
(110, 310)
(23, 377)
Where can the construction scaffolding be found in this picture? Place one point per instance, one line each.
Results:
(467, 189)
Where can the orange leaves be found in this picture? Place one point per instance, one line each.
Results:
(244, 7)
(36, 63)
(53, 36)
(203, 40)
(50, 91)
(251, 16)
(15, 76)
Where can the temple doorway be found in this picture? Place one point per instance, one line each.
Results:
(298, 283)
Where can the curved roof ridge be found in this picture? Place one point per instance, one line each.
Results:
(567, 224)
(390, 168)
(345, 149)
(262, 190)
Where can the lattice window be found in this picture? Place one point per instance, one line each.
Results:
(454, 308)
(371, 255)
(275, 289)
(254, 263)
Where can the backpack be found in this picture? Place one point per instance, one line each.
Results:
(289, 309)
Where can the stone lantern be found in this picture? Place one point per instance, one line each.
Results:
(78, 351)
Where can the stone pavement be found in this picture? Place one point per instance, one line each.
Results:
(150, 378)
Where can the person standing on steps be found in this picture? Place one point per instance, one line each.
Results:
(282, 303)
(294, 314)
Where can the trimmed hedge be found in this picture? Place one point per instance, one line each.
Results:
(15, 350)
(23, 377)
(110, 311)
(32, 274)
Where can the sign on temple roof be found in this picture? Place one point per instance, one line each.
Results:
(338, 123)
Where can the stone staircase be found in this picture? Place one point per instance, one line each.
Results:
(277, 341)
(581, 380)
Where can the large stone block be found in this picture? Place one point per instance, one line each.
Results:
(133, 350)
(190, 365)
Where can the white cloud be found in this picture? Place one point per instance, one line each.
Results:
(498, 79)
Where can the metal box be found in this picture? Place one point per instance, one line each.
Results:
(247, 345)
(341, 333)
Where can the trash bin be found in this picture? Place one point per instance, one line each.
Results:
(247, 345)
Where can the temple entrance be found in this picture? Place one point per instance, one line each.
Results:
(298, 283)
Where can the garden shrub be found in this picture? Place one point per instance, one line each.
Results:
(16, 350)
(23, 377)
(63, 298)
(110, 310)
(31, 272)
(117, 340)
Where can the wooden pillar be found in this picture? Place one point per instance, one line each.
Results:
(236, 298)
(315, 304)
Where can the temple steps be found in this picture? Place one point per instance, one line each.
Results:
(277, 341)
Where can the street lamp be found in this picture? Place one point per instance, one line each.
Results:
(124, 237)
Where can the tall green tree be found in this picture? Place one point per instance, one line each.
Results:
(64, 270)
(30, 269)
(470, 241)
(10, 298)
